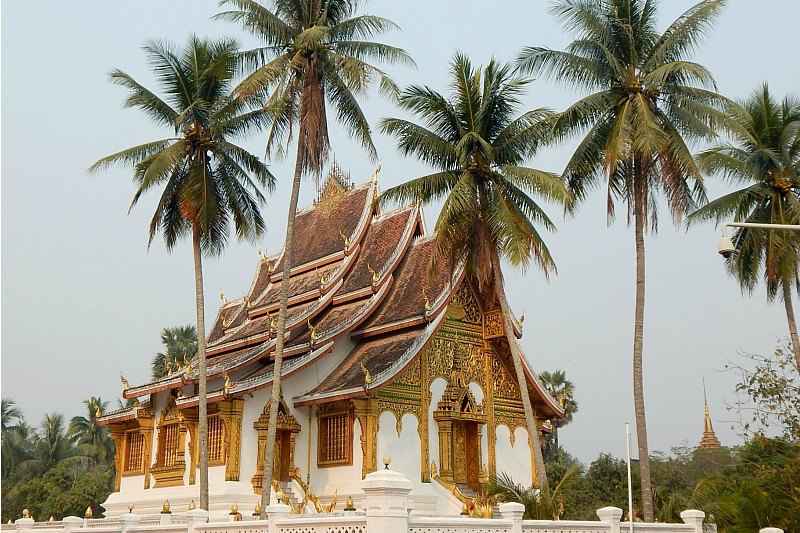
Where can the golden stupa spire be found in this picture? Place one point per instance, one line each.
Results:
(709, 440)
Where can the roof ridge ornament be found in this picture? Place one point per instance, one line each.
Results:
(313, 331)
(367, 375)
(375, 275)
(226, 386)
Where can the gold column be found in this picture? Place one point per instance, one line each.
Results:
(147, 432)
(424, 408)
(231, 413)
(445, 450)
(119, 454)
(491, 422)
(366, 413)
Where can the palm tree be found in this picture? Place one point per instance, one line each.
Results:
(544, 504)
(647, 99)
(11, 415)
(764, 156)
(315, 54)
(87, 434)
(180, 345)
(563, 390)
(51, 445)
(477, 147)
(207, 181)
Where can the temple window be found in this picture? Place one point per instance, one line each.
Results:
(168, 440)
(335, 438)
(134, 453)
(216, 440)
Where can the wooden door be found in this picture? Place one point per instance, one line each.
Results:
(280, 465)
(471, 448)
(459, 452)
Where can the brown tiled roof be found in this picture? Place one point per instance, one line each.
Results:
(377, 355)
(224, 320)
(383, 237)
(298, 284)
(317, 231)
(263, 275)
(413, 280)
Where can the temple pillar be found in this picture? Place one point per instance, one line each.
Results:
(231, 413)
(147, 433)
(422, 417)
(488, 408)
(366, 412)
(445, 448)
(119, 457)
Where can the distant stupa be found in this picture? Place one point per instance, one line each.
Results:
(709, 441)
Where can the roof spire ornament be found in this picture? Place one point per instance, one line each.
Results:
(314, 335)
(345, 239)
(709, 440)
(367, 374)
(125, 384)
(97, 412)
(375, 276)
(428, 306)
(374, 178)
(226, 386)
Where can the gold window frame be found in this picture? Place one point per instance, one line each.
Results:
(324, 439)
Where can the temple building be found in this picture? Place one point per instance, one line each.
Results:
(387, 361)
(709, 440)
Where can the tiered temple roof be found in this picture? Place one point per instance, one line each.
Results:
(355, 272)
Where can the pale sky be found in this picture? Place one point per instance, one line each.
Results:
(83, 299)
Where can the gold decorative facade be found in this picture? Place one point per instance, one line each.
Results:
(287, 429)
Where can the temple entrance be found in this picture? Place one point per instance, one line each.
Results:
(283, 458)
(466, 452)
(460, 420)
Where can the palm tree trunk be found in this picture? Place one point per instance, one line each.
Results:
(202, 430)
(638, 342)
(269, 448)
(516, 356)
(787, 302)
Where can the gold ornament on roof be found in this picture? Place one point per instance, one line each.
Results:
(97, 412)
(226, 385)
(325, 278)
(375, 276)
(314, 335)
(125, 384)
(428, 306)
(88, 513)
(273, 324)
(367, 374)
(345, 239)
(376, 173)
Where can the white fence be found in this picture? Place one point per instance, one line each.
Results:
(387, 510)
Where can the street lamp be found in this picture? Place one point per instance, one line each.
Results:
(726, 248)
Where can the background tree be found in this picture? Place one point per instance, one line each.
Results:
(315, 53)
(180, 345)
(91, 438)
(563, 390)
(11, 415)
(207, 182)
(647, 99)
(477, 147)
(764, 156)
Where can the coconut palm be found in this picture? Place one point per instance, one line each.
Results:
(647, 100)
(207, 182)
(11, 415)
(764, 157)
(51, 445)
(563, 390)
(315, 54)
(180, 345)
(88, 435)
(477, 145)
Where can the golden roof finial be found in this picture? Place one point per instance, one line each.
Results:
(165, 508)
(125, 384)
(375, 275)
(222, 297)
(428, 306)
(97, 412)
(313, 330)
(325, 277)
(709, 439)
(345, 239)
(273, 324)
(226, 386)
(88, 513)
(367, 374)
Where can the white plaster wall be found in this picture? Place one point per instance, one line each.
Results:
(339, 479)
(514, 460)
(437, 389)
(402, 449)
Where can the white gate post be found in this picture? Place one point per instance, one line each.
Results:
(24, 524)
(694, 518)
(611, 516)
(275, 512)
(770, 530)
(197, 517)
(513, 511)
(386, 501)
(71, 522)
(128, 520)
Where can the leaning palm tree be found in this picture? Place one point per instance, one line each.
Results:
(477, 146)
(647, 100)
(764, 156)
(563, 390)
(11, 415)
(180, 345)
(315, 54)
(207, 182)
